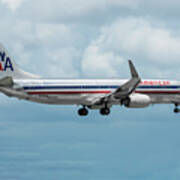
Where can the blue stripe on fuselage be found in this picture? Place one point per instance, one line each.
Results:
(69, 87)
(95, 87)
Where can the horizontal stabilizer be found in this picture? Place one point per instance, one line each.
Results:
(6, 82)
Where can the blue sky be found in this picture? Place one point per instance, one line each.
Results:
(92, 39)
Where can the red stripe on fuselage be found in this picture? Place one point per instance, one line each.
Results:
(68, 92)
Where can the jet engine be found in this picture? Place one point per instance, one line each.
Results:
(137, 101)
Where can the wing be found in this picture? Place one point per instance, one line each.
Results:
(123, 91)
(129, 87)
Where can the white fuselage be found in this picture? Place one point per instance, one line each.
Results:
(90, 93)
(81, 91)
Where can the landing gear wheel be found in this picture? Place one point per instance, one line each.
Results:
(176, 110)
(105, 111)
(83, 112)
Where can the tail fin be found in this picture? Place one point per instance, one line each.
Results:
(8, 67)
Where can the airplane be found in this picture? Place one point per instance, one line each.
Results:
(90, 94)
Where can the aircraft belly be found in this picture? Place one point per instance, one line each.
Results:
(82, 99)
(59, 99)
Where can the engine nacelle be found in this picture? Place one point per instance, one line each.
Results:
(137, 101)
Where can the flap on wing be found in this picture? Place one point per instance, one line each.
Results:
(90, 100)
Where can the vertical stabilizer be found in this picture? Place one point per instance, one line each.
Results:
(8, 67)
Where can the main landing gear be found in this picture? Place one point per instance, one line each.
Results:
(83, 111)
(176, 109)
(105, 111)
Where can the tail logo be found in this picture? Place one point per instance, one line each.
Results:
(5, 62)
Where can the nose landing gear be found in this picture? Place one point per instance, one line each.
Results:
(176, 109)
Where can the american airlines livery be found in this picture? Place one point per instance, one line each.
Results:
(89, 93)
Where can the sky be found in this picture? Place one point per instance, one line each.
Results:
(90, 39)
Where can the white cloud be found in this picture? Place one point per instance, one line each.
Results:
(45, 49)
(128, 3)
(139, 36)
(135, 38)
(56, 35)
(100, 52)
(62, 63)
(12, 4)
(57, 11)
(100, 64)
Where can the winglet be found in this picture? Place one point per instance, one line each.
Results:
(133, 70)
